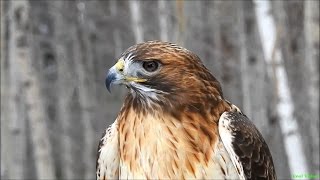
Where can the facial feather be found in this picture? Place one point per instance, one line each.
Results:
(182, 79)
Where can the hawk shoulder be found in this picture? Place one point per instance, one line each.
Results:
(246, 147)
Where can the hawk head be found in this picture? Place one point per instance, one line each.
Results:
(154, 70)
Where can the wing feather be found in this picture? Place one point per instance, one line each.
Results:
(246, 147)
(107, 164)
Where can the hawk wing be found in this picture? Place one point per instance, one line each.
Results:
(107, 165)
(246, 147)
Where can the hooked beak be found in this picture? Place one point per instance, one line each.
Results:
(111, 77)
(116, 76)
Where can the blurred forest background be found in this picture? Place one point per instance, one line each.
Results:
(55, 55)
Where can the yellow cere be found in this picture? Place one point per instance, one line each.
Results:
(119, 65)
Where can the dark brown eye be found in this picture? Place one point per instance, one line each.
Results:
(150, 66)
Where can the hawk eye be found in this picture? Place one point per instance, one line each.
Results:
(150, 66)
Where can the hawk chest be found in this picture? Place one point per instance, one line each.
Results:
(158, 147)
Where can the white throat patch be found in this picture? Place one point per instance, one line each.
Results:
(147, 92)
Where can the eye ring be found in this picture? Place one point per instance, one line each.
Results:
(150, 66)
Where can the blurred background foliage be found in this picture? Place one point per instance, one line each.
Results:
(55, 54)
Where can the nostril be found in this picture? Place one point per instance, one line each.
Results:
(120, 70)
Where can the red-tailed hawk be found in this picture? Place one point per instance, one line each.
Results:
(175, 123)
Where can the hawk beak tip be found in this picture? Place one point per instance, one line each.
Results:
(109, 80)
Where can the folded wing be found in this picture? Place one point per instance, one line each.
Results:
(246, 147)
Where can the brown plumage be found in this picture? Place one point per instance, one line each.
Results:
(175, 122)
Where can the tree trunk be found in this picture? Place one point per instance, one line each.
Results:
(230, 20)
(311, 34)
(260, 91)
(163, 17)
(290, 22)
(288, 123)
(35, 112)
(84, 70)
(65, 90)
(136, 20)
(44, 59)
(12, 127)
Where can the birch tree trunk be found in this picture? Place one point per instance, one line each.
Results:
(274, 56)
(13, 117)
(136, 20)
(73, 112)
(35, 113)
(163, 18)
(290, 22)
(311, 34)
(43, 55)
(66, 86)
(259, 96)
(84, 70)
(12, 127)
